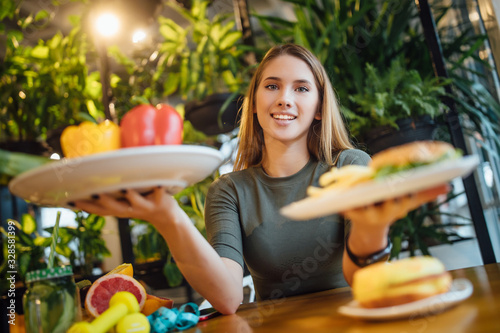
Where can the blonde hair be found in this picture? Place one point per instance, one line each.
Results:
(326, 137)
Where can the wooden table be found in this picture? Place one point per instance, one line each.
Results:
(318, 312)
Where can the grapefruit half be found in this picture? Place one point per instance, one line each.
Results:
(101, 291)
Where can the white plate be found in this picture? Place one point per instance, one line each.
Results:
(141, 168)
(410, 181)
(460, 290)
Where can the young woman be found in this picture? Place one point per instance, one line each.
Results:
(291, 132)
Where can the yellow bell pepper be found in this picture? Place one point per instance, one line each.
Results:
(90, 138)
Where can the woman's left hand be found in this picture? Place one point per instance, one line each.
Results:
(383, 214)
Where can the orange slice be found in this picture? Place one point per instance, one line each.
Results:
(126, 269)
(101, 291)
(153, 303)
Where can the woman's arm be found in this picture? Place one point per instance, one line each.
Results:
(217, 279)
(370, 224)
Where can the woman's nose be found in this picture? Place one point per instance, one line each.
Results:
(284, 100)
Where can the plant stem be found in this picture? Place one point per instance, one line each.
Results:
(55, 233)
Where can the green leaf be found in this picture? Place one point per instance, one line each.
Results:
(171, 84)
(173, 274)
(43, 241)
(28, 223)
(170, 30)
(230, 40)
(41, 15)
(40, 52)
(24, 263)
(92, 110)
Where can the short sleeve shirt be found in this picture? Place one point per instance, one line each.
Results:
(285, 257)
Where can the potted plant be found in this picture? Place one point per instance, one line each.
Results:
(395, 107)
(203, 64)
(83, 245)
(423, 228)
(44, 87)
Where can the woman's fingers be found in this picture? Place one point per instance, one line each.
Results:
(393, 209)
(138, 202)
(131, 205)
(431, 194)
(104, 205)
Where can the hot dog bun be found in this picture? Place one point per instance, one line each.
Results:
(402, 281)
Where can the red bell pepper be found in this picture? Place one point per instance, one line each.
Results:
(146, 125)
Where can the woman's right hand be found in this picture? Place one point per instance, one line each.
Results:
(157, 207)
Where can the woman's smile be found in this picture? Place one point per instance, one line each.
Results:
(283, 116)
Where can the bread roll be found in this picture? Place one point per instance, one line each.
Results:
(415, 152)
(401, 281)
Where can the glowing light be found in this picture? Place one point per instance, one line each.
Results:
(139, 36)
(473, 17)
(55, 156)
(107, 24)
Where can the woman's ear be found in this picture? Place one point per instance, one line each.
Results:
(317, 116)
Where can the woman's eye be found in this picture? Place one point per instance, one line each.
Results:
(302, 89)
(272, 86)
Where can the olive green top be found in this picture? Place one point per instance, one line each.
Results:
(284, 257)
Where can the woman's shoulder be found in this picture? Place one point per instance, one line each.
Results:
(353, 156)
(230, 179)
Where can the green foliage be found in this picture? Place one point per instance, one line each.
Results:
(149, 244)
(346, 35)
(30, 246)
(29, 249)
(192, 201)
(421, 228)
(83, 245)
(195, 58)
(483, 113)
(203, 58)
(393, 95)
(46, 86)
(349, 36)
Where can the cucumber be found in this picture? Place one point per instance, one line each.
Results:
(13, 163)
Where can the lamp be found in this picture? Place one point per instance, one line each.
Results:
(106, 25)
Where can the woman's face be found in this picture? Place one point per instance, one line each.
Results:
(286, 100)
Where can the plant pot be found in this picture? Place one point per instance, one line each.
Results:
(28, 147)
(410, 130)
(204, 115)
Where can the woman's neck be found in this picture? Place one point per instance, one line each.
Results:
(283, 161)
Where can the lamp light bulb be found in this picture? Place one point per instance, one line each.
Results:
(107, 24)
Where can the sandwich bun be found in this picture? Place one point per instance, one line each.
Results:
(418, 152)
(385, 163)
(398, 282)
